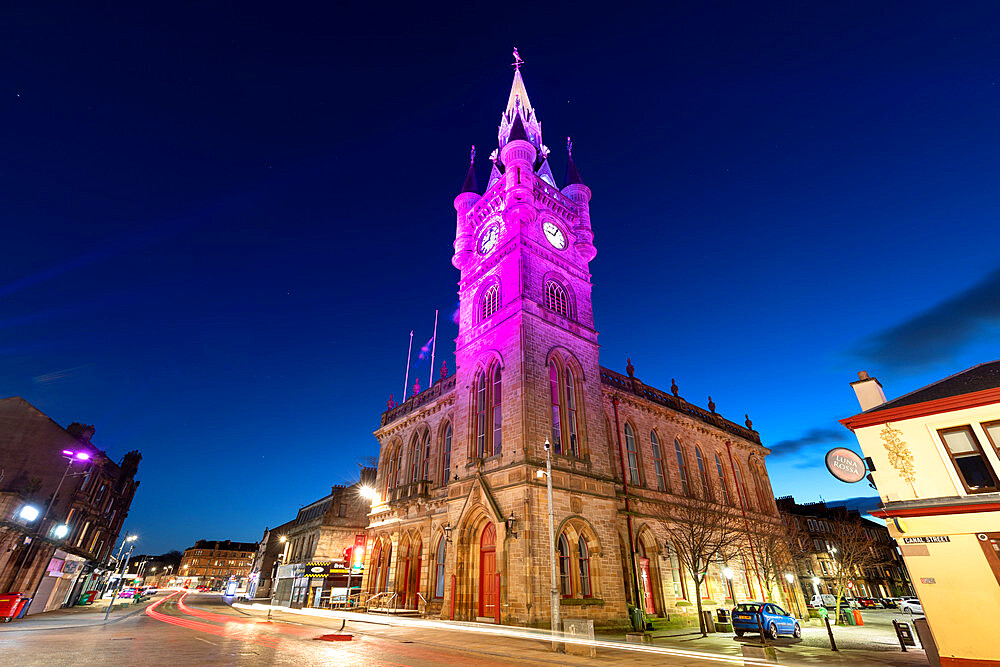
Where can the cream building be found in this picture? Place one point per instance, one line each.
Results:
(936, 456)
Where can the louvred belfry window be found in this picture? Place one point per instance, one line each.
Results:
(489, 413)
(555, 298)
(556, 426)
(491, 301)
(574, 449)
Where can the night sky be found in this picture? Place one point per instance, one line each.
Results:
(220, 222)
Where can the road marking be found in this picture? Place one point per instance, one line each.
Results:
(206, 641)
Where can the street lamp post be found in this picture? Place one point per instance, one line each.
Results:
(118, 585)
(70, 457)
(553, 578)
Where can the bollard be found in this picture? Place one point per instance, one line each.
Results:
(829, 631)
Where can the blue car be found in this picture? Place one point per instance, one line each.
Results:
(754, 616)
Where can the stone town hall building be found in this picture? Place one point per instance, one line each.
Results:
(458, 497)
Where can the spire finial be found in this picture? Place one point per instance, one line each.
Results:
(673, 386)
(517, 60)
(748, 422)
(711, 405)
(569, 146)
(629, 368)
(472, 154)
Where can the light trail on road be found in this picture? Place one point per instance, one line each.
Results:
(513, 633)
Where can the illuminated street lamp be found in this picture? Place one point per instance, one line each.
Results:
(61, 531)
(728, 574)
(547, 474)
(368, 492)
(29, 513)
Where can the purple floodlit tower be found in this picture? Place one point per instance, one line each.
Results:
(459, 525)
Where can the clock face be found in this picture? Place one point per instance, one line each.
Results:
(554, 235)
(489, 239)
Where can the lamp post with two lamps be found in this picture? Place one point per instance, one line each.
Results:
(118, 585)
(553, 580)
(29, 513)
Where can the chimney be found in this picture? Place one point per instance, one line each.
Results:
(869, 391)
(82, 432)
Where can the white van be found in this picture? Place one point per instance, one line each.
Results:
(823, 600)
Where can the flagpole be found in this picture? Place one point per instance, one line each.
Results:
(434, 342)
(406, 378)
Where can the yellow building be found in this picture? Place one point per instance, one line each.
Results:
(936, 463)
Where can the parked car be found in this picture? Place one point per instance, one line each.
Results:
(869, 603)
(911, 606)
(889, 603)
(822, 600)
(202, 589)
(150, 590)
(766, 616)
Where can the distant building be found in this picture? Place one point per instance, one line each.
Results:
(52, 545)
(936, 455)
(323, 532)
(817, 564)
(265, 564)
(214, 563)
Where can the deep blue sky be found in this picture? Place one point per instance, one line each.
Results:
(219, 223)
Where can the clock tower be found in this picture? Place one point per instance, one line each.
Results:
(524, 248)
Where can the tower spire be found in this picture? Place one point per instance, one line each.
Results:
(572, 173)
(519, 106)
(471, 184)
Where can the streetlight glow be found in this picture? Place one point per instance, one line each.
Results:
(83, 456)
(61, 531)
(728, 573)
(790, 577)
(368, 492)
(816, 580)
(29, 513)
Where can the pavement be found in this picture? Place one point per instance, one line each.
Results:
(201, 629)
(77, 616)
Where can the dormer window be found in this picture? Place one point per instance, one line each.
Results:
(490, 301)
(555, 298)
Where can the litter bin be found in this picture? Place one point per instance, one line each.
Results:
(723, 615)
(857, 617)
(22, 607)
(846, 617)
(638, 619)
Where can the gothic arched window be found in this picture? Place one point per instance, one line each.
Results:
(489, 414)
(706, 490)
(584, 568)
(491, 301)
(425, 471)
(682, 468)
(439, 569)
(632, 455)
(555, 298)
(554, 397)
(657, 460)
(446, 455)
(415, 459)
(741, 488)
(722, 480)
(574, 449)
(565, 571)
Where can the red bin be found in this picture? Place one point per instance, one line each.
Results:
(857, 617)
(22, 607)
(9, 604)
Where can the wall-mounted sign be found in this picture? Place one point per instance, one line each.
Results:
(928, 580)
(318, 569)
(930, 539)
(845, 465)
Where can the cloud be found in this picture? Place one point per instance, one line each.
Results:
(936, 334)
(812, 437)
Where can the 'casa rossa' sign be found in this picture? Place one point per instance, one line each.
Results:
(845, 465)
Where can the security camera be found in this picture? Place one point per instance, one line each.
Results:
(547, 445)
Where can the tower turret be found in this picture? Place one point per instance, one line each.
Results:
(580, 194)
(465, 241)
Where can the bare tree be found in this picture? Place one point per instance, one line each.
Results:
(853, 551)
(702, 533)
(778, 546)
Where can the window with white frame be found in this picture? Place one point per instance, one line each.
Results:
(490, 302)
(555, 298)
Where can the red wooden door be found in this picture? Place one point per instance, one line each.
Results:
(487, 571)
(647, 586)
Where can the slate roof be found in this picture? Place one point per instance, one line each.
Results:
(977, 378)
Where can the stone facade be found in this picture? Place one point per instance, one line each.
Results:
(93, 500)
(461, 515)
(213, 563)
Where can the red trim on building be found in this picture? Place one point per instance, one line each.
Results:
(938, 510)
(937, 406)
